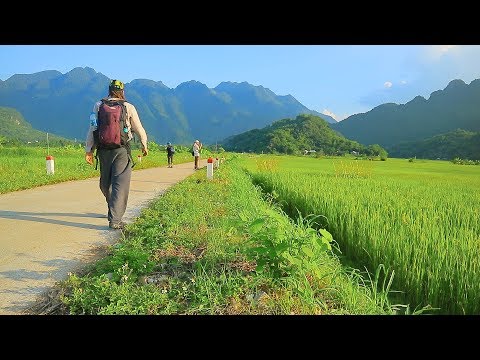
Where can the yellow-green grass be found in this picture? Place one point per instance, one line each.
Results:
(420, 219)
(25, 167)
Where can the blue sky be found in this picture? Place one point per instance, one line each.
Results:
(338, 80)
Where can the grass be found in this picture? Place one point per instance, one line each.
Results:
(25, 167)
(196, 250)
(419, 220)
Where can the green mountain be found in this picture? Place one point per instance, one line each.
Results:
(61, 103)
(456, 144)
(293, 136)
(15, 130)
(455, 107)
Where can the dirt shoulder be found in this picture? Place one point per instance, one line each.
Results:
(50, 231)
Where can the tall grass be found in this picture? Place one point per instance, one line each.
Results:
(420, 220)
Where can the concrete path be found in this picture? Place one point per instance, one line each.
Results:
(49, 231)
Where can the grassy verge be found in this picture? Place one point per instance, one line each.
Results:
(219, 247)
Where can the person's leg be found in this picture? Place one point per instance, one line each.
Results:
(105, 159)
(196, 162)
(121, 175)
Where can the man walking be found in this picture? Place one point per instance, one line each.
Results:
(113, 120)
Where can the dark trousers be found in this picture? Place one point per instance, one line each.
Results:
(170, 159)
(115, 175)
(196, 161)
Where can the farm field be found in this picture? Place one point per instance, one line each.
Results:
(420, 219)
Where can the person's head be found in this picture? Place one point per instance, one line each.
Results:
(197, 142)
(116, 89)
(168, 143)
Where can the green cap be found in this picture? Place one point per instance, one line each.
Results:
(116, 85)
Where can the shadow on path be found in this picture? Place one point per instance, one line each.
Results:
(36, 217)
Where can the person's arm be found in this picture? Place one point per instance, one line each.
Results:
(90, 142)
(137, 128)
(89, 147)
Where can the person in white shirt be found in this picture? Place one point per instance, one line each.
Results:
(197, 147)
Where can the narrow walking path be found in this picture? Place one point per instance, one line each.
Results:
(49, 231)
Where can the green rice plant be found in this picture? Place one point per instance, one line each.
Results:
(418, 219)
(352, 168)
(267, 164)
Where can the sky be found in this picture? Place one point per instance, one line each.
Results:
(337, 80)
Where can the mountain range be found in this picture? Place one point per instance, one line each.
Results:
(455, 107)
(61, 103)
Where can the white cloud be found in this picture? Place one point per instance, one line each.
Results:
(388, 84)
(338, 117)
(329, 113)
(403, 82)
(343, 117)
(435, 52)
(445, 48)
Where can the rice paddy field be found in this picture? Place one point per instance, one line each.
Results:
(419, 219)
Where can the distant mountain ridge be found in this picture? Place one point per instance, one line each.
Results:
(455, 144)
(455, 107)
(14, 129)
(60, 103)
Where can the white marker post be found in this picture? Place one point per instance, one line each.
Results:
(50, 165)
(50, 161)
(210, 168)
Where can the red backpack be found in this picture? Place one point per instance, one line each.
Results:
(112, 130)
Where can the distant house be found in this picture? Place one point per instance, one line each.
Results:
(307, 152)
(356, 153)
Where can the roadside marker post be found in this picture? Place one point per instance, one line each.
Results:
(210, 168)
(50, 165)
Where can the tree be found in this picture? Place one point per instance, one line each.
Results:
(377, 150)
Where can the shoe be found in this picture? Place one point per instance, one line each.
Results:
(119, 225)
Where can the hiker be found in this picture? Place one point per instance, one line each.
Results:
(197, 146)
(170, 152)
(112, 144)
